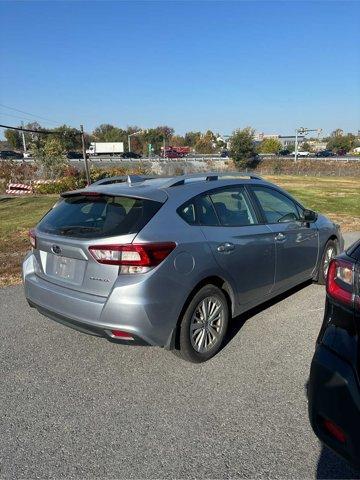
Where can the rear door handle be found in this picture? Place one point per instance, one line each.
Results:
(226, 247)
(280, 237)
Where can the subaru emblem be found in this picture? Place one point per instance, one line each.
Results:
(56, 249)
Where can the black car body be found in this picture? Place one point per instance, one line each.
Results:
(285, 152)
(334, 385)
(325, 153)
(74, 155)
(10, 154)
(130, 155)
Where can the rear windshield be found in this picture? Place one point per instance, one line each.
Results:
(98, 216)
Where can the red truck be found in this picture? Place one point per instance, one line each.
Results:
(175, 152)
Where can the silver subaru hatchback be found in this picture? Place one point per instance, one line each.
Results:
(169, 261)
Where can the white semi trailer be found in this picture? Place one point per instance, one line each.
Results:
(106, 148)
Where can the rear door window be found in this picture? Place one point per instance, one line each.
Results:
(233, 207)
(100, 216)
(227, 207)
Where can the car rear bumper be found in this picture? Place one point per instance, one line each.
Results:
(98, 315)
(334, 394)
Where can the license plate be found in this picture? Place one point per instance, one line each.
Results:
(64, 268)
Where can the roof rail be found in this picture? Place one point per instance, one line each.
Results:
(129, 179)
(207, 177)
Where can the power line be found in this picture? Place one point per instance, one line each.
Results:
(46, 132)
(11, 115)
(30, 114)
(49, 132)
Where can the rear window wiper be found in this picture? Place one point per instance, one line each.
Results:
(78, 228)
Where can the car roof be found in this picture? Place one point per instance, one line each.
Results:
(161, 188)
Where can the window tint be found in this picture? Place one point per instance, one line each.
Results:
(199, 211)
(205, 211)
(187, 212)
(277, 207)
(96, 217)
(232, 207)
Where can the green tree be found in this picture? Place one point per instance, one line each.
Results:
(50, 157)
(166, 131)
(69, 138)
(220, 142)
(109, 133)
(270, 145)
(242, 148)
(13, 138)
(138, 143)
(178, 141)
(341, 143)
(157, 135)
(207, 143)
(191, 138)
(103, 131)
(33, 138)
(306, 147)
(338, 132)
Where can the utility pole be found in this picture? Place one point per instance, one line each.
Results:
(23, 137)
(303, 131)
(130, 135)
(87, 171)
(300, 130)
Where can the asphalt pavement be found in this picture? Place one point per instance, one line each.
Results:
(76, 406)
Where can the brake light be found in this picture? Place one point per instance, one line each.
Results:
(334, 430)
(340, 281)
(91, 194)
(121, 335)
(132, 258)
(32, 238)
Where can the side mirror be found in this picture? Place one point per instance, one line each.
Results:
(309, 216)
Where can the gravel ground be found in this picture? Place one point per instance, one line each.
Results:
(76, 406)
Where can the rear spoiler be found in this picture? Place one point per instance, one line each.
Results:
(129, 179)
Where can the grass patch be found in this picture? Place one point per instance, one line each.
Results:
(337, 197)
(17, 215)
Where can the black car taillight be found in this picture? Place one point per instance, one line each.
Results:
(340, 283)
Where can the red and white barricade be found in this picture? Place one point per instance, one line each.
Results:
(18, 189)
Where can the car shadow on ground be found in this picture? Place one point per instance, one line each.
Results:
(238, 322)
(330, 466)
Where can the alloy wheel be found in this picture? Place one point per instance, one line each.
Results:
(207, 324)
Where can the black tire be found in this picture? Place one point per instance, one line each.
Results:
(331, 246)
(186, 349)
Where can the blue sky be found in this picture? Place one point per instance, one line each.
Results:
(192, 65)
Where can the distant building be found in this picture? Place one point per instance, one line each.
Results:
(260, 136)
(289, 140)
(317, 145)
(285, 140)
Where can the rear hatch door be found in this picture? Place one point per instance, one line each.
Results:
(64, 235)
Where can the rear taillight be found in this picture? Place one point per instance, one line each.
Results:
(32, 237)
(334, 430)
(340, 281)
(132, 258)
(121, 335)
